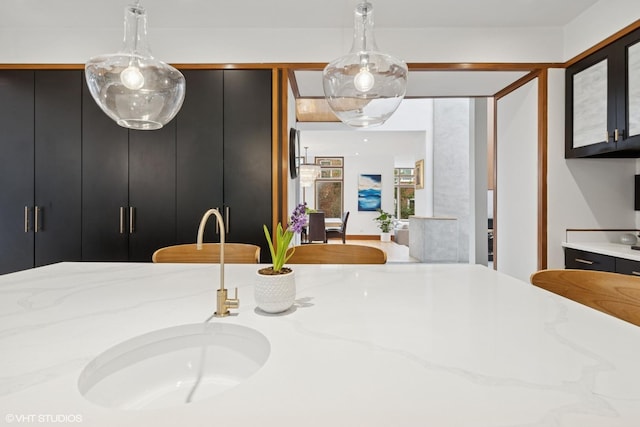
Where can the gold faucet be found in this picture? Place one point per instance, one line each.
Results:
(223, 304)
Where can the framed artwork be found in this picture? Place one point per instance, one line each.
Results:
(419, 174)
(329, 198)
(369, 192)
(330, 173)
(330, 161)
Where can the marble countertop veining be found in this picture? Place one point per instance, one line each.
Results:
(606, 248)
(385, 345)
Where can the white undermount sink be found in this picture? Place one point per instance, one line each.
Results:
(174, 366)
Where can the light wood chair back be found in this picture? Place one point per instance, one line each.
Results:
(337, 254)
(612, 293)
(234, 253)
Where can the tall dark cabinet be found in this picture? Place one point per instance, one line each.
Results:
(76, 186)
(40, 168)
(143, 190)
(247, 156)
(200, 151)
(128, 188)
(224, 155)
(16, 170)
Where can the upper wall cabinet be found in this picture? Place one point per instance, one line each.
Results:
(603, 102)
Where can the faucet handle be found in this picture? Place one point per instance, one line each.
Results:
(233, 302)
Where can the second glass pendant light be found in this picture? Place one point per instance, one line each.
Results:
(365, 87)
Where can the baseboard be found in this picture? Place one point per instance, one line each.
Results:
(364, 236)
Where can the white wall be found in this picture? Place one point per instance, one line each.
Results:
(517, 184)
(597, 23)
(582, 193)
(361, 222)
(423, 197)
(251, 45)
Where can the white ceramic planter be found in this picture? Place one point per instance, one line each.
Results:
(385, 237)
(275, 293)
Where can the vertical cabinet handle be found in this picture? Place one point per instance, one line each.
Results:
(226, 219)
(132, 220)
(36, 219)
(26, 219)
(616, 134)
(122, 214)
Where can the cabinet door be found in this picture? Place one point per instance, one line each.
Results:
(58, 166)
(199, 153)
(152, 190)
(590, 108)
(105, 185)
(16, 170)
(628, 94)
(247, 155)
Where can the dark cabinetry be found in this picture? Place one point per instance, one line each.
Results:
(603, 102)
(105, 193)
(224, 154)
(216, 153)
(128, 188)
(40, 168)
(584, 260)
(156, 185)
(247, 156)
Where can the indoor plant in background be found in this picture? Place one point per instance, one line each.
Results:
(385, 222)
(275, 290)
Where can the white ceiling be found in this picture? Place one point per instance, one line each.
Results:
(293, 13)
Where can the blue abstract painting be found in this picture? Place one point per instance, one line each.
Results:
(369, 190)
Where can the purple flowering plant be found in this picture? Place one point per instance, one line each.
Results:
(281, 252)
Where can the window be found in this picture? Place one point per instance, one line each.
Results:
(403, 194)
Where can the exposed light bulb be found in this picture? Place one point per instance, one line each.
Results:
(115, 80)
(132, 78)
(366, 86)
(364, 80)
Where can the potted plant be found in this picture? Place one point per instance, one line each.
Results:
(385, 222)
(275, 290)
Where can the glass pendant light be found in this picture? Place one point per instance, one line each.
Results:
(365, 87)
(308, 172)
(132, 87)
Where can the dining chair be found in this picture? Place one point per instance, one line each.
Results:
(234, 253)
(339, 231)
(613, 293)
(316, 226)
(337, 254)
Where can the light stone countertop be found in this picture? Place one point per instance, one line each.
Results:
(384, 345)
(605, 248)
